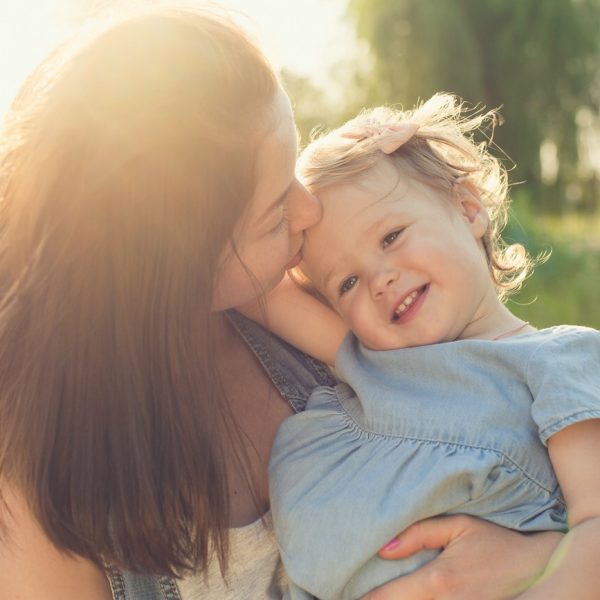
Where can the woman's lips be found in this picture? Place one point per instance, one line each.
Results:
(409, 304)
(294, 261)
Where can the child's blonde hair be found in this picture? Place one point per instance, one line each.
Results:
(442, 153)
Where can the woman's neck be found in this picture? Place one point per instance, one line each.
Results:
(258, 410)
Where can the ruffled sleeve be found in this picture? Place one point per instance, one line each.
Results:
(564, 377)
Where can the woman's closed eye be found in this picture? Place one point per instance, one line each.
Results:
(283, 222)
(347, 284)
(390, 238)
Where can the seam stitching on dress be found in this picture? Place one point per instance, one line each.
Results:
(359, 429)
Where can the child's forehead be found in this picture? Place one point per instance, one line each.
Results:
(381, 183)
(351, 210)
(382, 177)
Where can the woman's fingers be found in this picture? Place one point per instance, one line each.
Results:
(434, 581)
(479, 560)
(433, 533)
(410, 587)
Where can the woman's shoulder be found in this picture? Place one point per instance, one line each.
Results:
(294, 373)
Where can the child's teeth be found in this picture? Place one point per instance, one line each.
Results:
(406, 302)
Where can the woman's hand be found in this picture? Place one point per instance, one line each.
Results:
(479, 560)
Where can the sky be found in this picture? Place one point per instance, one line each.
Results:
(305, 36)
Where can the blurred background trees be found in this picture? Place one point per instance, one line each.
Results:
(536, 60)
(540, 63)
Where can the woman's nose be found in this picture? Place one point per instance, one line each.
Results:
(381, 281)
(304, 210)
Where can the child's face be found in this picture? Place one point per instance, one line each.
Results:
(402, 263)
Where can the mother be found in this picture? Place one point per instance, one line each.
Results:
(147, 185)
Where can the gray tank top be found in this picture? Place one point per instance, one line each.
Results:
(255, 570)
(295, 375)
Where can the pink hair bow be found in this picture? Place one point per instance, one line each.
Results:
(388, 138)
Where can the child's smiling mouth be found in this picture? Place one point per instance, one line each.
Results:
(408, 304)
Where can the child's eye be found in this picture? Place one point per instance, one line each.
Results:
(348, 284)
(390, 238)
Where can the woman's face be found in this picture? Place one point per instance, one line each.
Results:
(269, 236)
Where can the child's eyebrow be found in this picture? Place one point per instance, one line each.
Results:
(375, 225)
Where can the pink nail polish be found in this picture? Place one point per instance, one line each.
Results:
(392, 544)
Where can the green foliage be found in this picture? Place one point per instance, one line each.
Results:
(566, 287)
(539, 61)
(311, 111)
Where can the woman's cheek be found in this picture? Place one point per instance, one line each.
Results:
(275, 257)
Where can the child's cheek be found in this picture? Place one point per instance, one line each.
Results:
(357, 318)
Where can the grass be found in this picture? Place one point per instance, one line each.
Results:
(565, 288)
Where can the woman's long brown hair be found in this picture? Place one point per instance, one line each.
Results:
(124, 164)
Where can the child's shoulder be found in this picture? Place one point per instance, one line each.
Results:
(566, 333)
(567, 343)
(565, 329)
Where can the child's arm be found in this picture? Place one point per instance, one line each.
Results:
(574, 569)
(300, 319)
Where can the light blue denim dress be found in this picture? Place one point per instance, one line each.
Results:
(295, 375)
(458, 427)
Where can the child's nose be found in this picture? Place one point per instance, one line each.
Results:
(382, 281)
(304, 210)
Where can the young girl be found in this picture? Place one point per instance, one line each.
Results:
(451, 404)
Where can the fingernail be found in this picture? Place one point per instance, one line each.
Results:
(392, 544)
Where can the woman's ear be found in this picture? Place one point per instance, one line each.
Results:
(468, 201)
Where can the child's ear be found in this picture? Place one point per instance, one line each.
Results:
(468, 201)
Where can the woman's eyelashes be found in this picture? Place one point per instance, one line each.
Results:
(283, 222)
(347, 284)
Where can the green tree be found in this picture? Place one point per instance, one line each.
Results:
(539, 61)
(311, 109)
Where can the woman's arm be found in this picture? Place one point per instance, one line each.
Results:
(300, 319)
(32, 568)
(574, 569)
(479, 560)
